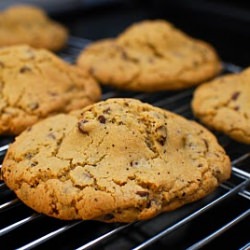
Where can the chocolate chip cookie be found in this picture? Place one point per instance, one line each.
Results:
(35, 83)
(24, 24)
(224, 105)
(151, 56)
(121, 160)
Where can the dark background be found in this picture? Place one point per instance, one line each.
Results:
(225, 24)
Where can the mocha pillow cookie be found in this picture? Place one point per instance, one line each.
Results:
(35, 84)
(122, 161)
(151, 56)
(224, 105)
(24, 24)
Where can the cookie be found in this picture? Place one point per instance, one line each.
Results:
(24, 24)
(224, 105)
(35, 83)
(151, 56)
(120, 161)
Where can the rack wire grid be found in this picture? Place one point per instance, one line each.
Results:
(220, 219)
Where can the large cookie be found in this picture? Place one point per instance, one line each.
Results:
(224, 105)
(122, 161)
(24, 24)
(35, 84)
(151, 56)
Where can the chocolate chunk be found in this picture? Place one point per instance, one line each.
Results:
(133, 163)
(142, 193)
(33, 164)
(28, 155)
(107, 110)
(81, 126)
(101, 119)
(161, 135)
(25, 69)
(162, 140)
(235, 95)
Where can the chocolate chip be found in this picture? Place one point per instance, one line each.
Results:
(81, 126)
(113, 120)
(235, 95)
(161, 140)
(55, 210)
(25, 69)
(33, 164)
(133, 163)
(28, 155)
(142, 193)
(107, 110)
(101, 119)
(206, 144)
(161, 135)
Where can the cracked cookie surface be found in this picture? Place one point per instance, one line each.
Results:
(24, 24)
(121, 160)
(35, 83)
(224, 105)
(151, 56)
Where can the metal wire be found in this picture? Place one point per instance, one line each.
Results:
(106, 236)
(46, 237)
(192, 216)
(18, 224)
(218, 232)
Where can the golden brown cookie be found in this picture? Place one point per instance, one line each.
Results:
(151, 56)
(121, 161)
(224, 105)
(35, 84)
(24, 24)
